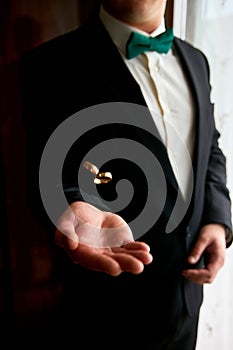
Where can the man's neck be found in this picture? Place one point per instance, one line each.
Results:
(147, 23)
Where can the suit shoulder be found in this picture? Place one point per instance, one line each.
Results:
(191, 51)
(189, 47)
(61, 45)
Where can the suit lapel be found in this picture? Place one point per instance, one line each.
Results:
(125, 89)
(190, 60)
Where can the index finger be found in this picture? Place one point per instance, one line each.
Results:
(206, 275)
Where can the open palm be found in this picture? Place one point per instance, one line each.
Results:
(100, 241)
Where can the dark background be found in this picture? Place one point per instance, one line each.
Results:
(30, 288)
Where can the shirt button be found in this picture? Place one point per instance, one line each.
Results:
(167, 110)
(156, 68)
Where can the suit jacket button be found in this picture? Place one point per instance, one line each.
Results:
(188, 232)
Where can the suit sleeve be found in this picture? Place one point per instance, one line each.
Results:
(42, 111)
(217, 205)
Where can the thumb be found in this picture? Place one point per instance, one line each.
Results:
(197, 251)
(65, 234)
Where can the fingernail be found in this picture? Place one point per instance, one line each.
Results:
(192, 259)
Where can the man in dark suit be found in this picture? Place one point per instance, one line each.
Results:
(145, 291)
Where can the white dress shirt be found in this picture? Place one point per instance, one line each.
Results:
(167, 95)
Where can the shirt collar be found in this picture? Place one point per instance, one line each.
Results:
(120, 32)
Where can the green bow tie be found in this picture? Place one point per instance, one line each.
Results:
(139, 43)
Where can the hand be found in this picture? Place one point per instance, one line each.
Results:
(100, 241)
(211, 241)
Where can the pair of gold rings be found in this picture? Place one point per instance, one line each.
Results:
(100, 177)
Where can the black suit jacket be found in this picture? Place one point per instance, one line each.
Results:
(84, 68)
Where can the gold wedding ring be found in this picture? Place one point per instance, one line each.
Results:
(100, 177)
